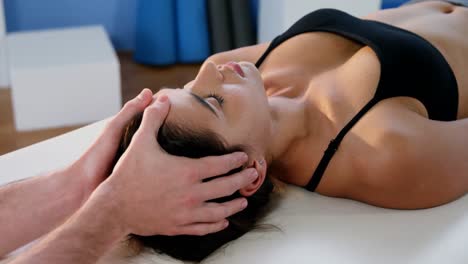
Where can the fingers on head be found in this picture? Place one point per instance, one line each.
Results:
(138, 103)
(133, 107)
(203, 228)
(227, 186)
(214, 212)
(154, 115)
(217, 165)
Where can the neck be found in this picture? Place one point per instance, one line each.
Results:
(293, 120)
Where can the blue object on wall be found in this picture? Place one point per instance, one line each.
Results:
(392, 3)
(169, 31)
(117, 16)
(192, 31)
(254, 12)
(156, 32)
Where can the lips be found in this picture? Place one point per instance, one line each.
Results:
(236, 67)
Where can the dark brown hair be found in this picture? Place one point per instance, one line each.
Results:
(181, 141)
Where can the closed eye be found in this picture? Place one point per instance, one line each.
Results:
(218, 98)
(204, 104)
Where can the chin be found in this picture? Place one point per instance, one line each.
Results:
(253, 75)
(250, 69)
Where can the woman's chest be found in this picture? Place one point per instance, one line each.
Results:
(445, 27)
(339, 83)
(337, 74)
(292, 65)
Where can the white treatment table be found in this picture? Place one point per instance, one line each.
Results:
(314, 228)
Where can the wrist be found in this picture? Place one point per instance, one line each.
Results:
(66, 182)
(108, 206)
(80, 182)
(86, 236)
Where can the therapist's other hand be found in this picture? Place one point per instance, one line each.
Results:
(96, 163)
(157, 193)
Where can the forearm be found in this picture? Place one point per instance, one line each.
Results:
(84, 238)
(35, 206)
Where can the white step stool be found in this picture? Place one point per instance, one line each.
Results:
(63, 77)
(276, 16)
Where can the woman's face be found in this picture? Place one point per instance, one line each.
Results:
(232, 104)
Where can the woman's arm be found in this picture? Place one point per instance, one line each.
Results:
(249, 53)
(423, 163)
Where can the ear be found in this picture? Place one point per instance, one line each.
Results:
(261, 167)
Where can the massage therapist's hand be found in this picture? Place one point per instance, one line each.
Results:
(95, 164)
(157, 193)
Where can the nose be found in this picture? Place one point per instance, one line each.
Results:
(208, 75)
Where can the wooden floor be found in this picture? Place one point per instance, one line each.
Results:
(135, 77)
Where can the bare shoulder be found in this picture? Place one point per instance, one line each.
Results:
(407, 161)
(388, 131)
(371, 143)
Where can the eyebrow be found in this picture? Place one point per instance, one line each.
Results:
(204, 104)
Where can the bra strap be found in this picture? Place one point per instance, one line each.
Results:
(333, 146)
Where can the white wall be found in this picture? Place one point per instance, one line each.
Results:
(3, 56)
(278, 15)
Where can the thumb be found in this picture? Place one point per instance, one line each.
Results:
(154, 115)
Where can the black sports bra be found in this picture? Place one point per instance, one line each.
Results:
(410, 66)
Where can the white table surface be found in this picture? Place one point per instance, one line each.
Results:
(315, 229)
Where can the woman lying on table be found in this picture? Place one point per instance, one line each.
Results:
(370, 109)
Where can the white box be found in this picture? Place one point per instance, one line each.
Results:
(276, 16)
(3, 56)
(63, 77)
